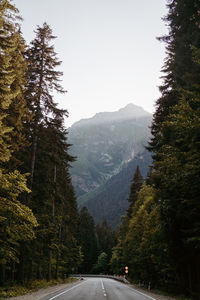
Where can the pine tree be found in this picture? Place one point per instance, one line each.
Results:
(144, 250)
(175, 143)
(135, 187)
(16, 220)
(106, 239)
(179, 69)
(118, 259)
(88, 240)
(177, 176)
(43, 80)
(52, 200)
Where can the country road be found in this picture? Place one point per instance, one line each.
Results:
(98, 289)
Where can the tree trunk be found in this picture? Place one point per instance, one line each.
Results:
(2, 274)
(13, 272)
(20, 268)
(190, 277)
(33, 159)
(50, 265)
(58, 255)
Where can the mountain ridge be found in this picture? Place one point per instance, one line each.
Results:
(104, 145)
(130, 111)
(110, 205)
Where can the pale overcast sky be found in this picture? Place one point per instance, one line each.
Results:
(108, 48)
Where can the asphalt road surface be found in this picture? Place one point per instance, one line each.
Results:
(98, 289)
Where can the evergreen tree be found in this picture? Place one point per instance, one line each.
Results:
(88, 240)
(179, 70)
(16, 220)
(102, 264)
(55, 250)
(117, 261)
(176, 175)
(135, 187)
(175, 143)
(106, 239)
(144, 250)
(43, 80)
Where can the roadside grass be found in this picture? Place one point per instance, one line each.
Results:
(170, 296)
(14, 290)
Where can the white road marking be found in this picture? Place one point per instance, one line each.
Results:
(103, 288)
(66, 291)
(102, 284)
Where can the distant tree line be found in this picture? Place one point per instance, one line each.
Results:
(159, 237)
(97, 242)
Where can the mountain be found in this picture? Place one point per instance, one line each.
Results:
(130, 111)
(110, 201)
(105, 145)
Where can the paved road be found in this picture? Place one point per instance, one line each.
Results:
(98, 289)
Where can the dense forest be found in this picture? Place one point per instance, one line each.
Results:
(42, 234)
(38, 210)
(159, 237)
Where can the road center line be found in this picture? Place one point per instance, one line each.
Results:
(66, 291)
(102, 285)
(104, 292)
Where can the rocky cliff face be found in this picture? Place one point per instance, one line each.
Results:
(104, 145)
(110, 200)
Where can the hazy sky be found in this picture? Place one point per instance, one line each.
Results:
(108, 48)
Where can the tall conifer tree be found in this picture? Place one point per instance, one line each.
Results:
(88, 240)
(52, 200)
(16, 220)
(135, 187)
(175, 140)
(179, 70)
(43, 80)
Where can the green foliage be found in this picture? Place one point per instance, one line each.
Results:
(8, 75)
(13, 291)
(102, 264)
(116, 261)
(16, 220)
(175, 143)
(55, 251)
(140, 245)
(88, 240)
(30, 117)
(135, 187)
(143, 247)
(111, 203)
(106, 238)
(177, 175)
(180, 70)
(18, 290)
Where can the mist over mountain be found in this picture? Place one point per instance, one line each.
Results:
(105, 145)
(130, 111)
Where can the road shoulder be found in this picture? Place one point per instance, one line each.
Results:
(41, 293)
(154, 295)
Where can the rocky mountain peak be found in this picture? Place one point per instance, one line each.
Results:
(130, 111)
